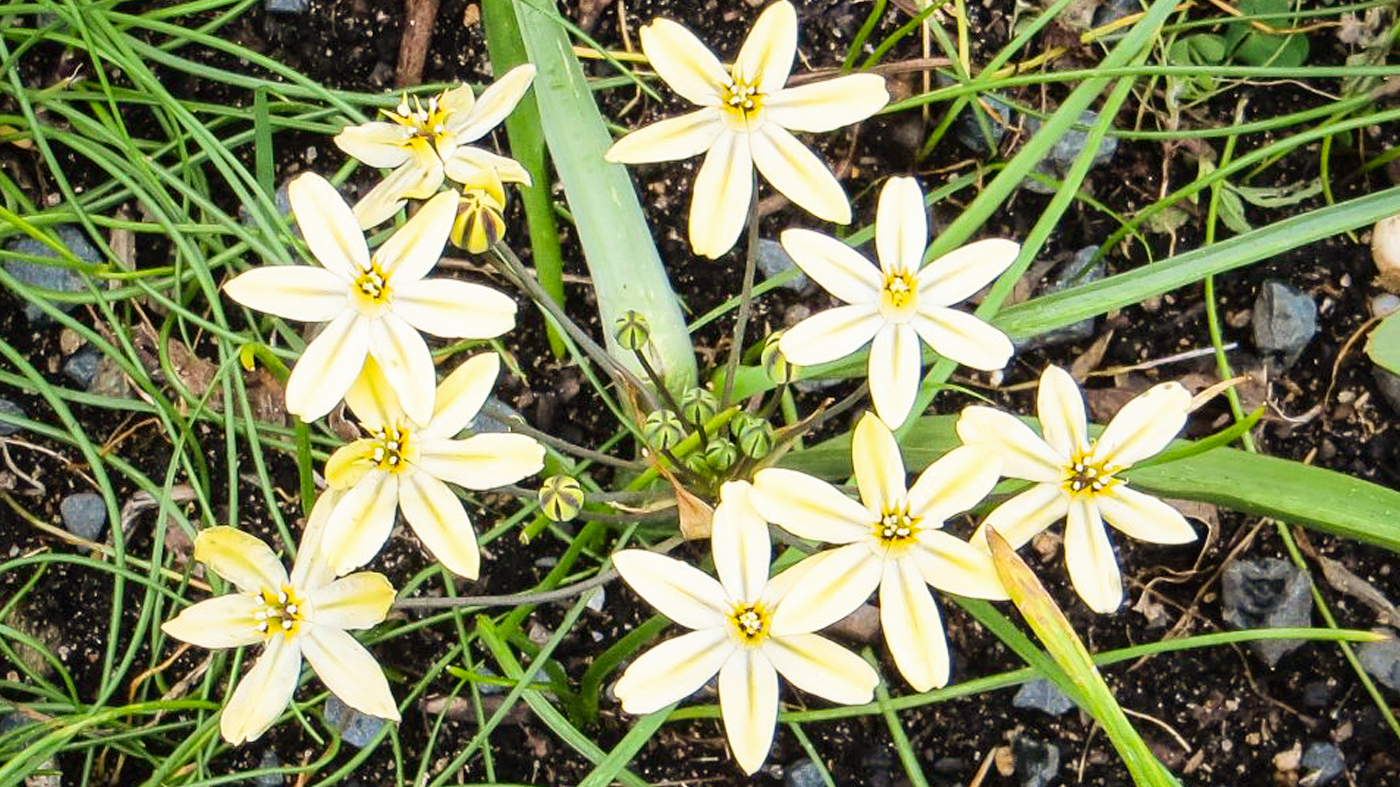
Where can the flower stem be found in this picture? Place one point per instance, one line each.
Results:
(741, 321)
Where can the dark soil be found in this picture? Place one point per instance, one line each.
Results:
(1215, 717)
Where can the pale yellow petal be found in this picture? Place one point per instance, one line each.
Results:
(671, 139)
(829, 104)
(957, 481)
(821, 667)
(412, 251)
(895, 369)
(440, 521)
(357, 601)
(492, 106)
(673, 670)
(808, 507)
(349, 671)
(830, 335)
(901, 226)
(220, 622)
(686, 64)
(462, 393)
(798, 173)
(296, 292)
(1019, 519)
(457, 102)
(879, 466)
(372, 399)
(328, 366)
(311, 569)
(740, 544)
(678, 590)
(263, 693)
(765, 59)
(839, 583)
(361, 521)
(913, 626)
(240, 558)
(389, 195)
(962, 337)
(951, 564)
(1060, 406)
(455, 309)
(350, 463)
(1093, 567)
(378, 144)
(468, 163)
(328, 226)
(1023, 453)
(957, 275)
(1145, 425)
(1144, 517)
(719, 204)
(838, 268)
(748, 702)
(483, 461)
(407, 364)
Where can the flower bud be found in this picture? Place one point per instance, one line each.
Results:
(561, 498)
(480, 221)
(698, 405)
(1385, 250)
(663, 429)
(632, 330)
(775, 365)
(753, 434)
(720, 454)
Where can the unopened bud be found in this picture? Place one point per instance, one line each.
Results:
(561, 498)
(753, 434)
(775, 364)
(633, 330)
(663, 429)
(698, 405)
(720, 454)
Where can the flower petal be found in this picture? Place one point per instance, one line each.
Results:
(349, 464)
(1023, 453)
(1093, 568)
(311, 570)
(349, 671)
(798, 173)
(686, 64)
(962, 337)
(954, 277)
(467, 164)
(455, 309)
(220, 622)
(328, 226)
(483, 461)
(951, 564)
(493, 105)
(240, 558)
(460, 396)
(719, 204)
(440, 522)
(378, 144)
(956, 482)
(808, 507)
(901, 226)
(407, 364)
(748, 701)
(840, 583)
(357, 601)
(1060, 405)
(678, 590)
(296, 292)
(913, 626)
(671, 139)
(834, 333)
(328, 366)
(411, 252)
(838, 268)
(372, 398)
(1144, 517)
(879, 466)
(765, 59)
(673, 670)
(263, 693)
(361, 522)
(740, 544)
(895, 368)
(829, 104)
(819, 666)
(421, 175)
(1145, 425)
(1020, 518)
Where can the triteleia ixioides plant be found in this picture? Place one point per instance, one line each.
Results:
(1078, 479)
(900, 305)
(891, 540)
(733, 635)
(425, 143)
(304, 614)
(745, 120)
(374, 305)
(403, 465)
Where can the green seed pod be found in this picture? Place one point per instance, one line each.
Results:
(697, 463)
(720, 453)
(775, 365)
(632, 330)
(663, 429)
(754, 436)
(698, 405)
(561, 498)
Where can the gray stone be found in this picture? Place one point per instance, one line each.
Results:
(269, 760)
(1382, 660)
(46, 773)
(81, 367)
(1322, 762)
(356, 729)
(1317, 694)
(51, 277)
(1061, 157)
(8, 407)
(1042, 695)
(773, 260)
(1385, 303)
(1037, 763)
(1112, 11)
(279, 198)
(1285, 320)
(1072, 274)
(495, 416)
(803, 773)
(1389, 385)
(286, 6)
(84, 515)
(1269, 593)
(969, 132)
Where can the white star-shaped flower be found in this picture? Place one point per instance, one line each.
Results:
(1078, 479)
(744, 121)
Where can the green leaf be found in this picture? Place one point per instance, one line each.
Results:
(1383, 345)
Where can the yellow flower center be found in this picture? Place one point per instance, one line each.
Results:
(391, 448)
(1084, 476)
(749, 623)
(282, 613)
(371, 290)
(428, 122)
(896, 527)
(743, 101)
(899, 296)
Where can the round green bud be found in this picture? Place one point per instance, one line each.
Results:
(754, 436)
(663, 429)
(632, 330)
(698, 405)
(775, 365)
(561, 498)
(696, 462)
(720, 453)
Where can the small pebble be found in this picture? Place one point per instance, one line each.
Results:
(495, 416)
(803, 773)
(1389, 385)
(1037, 763)
(84, 515)
(1382, 660)
(286, 6)
(773, 260)
(1112, 11)
(1071, 274)
(8, 407)
(81, 367)
(356, 729)
(1317, 694)
(1384, 304)
(970, 134)
(1322, 762)
(1285, 320)
(1268, 593)
(51, 277)
(269, 760)
(1042, 695)
(1061, 157)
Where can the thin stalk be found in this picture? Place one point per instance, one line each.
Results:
(741, 321)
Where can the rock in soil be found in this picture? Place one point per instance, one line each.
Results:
(51, 277)
(84, 515)
(1285, 320)
(1067, 148)
(9, 408)
(773, 260)
(1269, 593)
(269, 760)
(1037, 762)
(1042, 695)
(1072, 274)
(356, 729)
(1322, 762)
(803, 773)
(1382, 660)
(81, 367)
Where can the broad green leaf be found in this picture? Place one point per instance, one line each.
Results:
(1383, 345)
